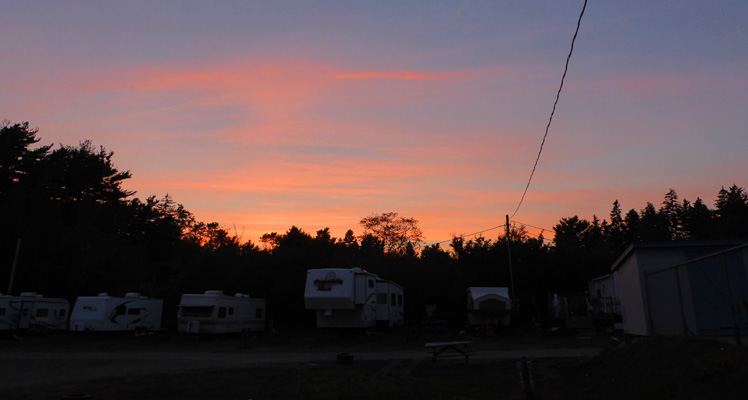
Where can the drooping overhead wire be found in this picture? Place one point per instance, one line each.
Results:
(467, 235)
(485, 230)
(553, 111)
(540, 151)
(537, 235)
(531, 226)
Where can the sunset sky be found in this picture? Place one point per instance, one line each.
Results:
(261, 115)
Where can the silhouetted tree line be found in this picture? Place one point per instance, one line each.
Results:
(82, 233)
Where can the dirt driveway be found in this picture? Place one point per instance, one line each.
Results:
(60, 361)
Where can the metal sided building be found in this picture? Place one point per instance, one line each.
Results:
(694, 288)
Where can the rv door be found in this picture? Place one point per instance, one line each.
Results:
(24, 321)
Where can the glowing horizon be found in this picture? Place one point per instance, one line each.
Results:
(261, 119)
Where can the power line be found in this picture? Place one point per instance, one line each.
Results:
(536, 235)
(536, 227)
(485, 230)
(490, 229)
(466, 235)
(547, 128)
(558, 94)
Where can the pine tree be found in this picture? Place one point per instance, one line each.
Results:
(732, 212)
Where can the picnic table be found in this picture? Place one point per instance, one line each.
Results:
(449, 349)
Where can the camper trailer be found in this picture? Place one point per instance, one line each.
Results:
(352, 298)
(488, 306)
(215, 312)
(104, 313)
(34, 312)
(390, 308)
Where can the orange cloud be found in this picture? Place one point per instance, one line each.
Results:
(345, 177)
(300, 159)
(270, 103)
(436, 226)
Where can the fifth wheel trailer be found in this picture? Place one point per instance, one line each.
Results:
(32, 311)
(216, 312)
(104, 313)
(353, 298)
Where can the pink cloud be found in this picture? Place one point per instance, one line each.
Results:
(401, 75)
(274, 103)
(649, 86)
(432, 176)
(346, 177)
(718, 79)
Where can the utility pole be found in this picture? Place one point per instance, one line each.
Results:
(511, 273)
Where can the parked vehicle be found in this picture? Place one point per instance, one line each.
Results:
(353, 298)
(488, 306)
(390, 306)
(104, 313)
(215, 312)
(34, 312)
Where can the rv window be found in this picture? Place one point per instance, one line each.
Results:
(400, 300)
(231, 310)
(62, 312)
(25, 312)
(258, 313)
(42, 312)
(2, 311)
(121, 310)
(205, 311)
(371, 283)
(221, 312)
(133, 311)
(393, 300)
(381, 298)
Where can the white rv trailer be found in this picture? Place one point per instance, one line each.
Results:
(104, 313)
(390, 307)
(215, 312)
(488, 306)
(352, 298)
(32, 311)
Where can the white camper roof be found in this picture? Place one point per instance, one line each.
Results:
(477, 292)
(104, 296)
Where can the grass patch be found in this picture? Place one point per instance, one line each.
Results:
(653, 368)
(388, 379)
(647, 368)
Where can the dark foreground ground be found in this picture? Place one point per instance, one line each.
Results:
(304, 366)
